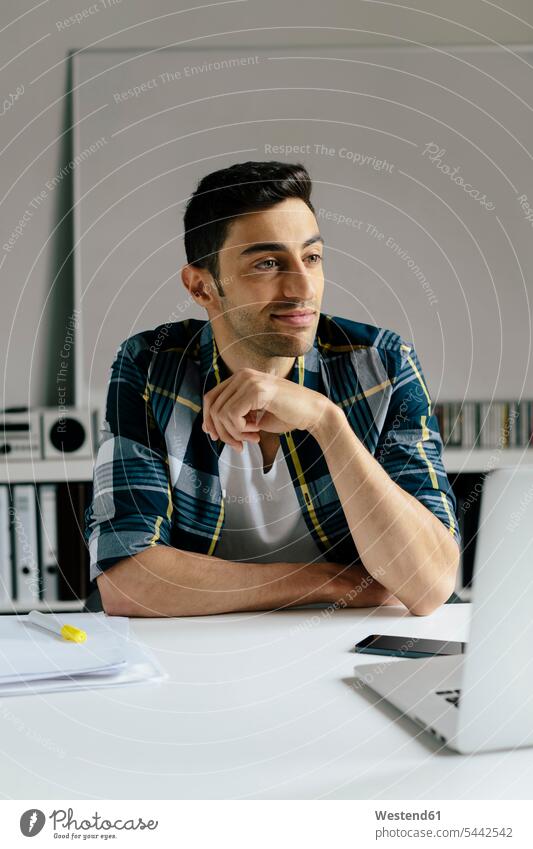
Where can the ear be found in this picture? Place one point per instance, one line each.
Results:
(199, 284)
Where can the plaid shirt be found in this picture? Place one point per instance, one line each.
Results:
(156, 478)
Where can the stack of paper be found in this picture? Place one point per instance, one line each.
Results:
(33, 660)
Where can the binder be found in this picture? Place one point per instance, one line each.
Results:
(24, 535)
(73, 554)
(6, 562)
(48, 547)
(86, 492)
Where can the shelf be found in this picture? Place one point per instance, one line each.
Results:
(46, 606)
(484, 459)
(46, 471)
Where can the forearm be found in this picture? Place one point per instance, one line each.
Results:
(401, 543)
(166, 581)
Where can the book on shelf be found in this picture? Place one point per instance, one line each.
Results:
(44, 557)
(24, 543)
(6, 577)
(50, 584)
(485, 424)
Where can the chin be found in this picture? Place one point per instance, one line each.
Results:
(284, 346)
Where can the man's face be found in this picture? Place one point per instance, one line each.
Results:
(271, 273)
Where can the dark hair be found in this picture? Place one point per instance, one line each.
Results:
(223, 195)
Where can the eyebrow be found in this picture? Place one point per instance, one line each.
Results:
(279, 246)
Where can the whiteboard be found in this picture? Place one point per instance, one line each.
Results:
(419, 158)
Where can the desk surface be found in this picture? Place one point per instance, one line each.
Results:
(257, 705)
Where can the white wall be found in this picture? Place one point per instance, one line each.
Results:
(34, 47)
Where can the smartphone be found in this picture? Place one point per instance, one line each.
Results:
(407, 646)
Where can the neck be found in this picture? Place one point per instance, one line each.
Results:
(236, 353)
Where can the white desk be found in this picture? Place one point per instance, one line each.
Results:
(258, 705)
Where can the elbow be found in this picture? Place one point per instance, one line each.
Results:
(110, 608)
(428, 603)
(131, 587)
(115, 597)
(424, 608)
(432, 597)
(109, 603)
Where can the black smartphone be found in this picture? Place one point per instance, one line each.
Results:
(407, 646)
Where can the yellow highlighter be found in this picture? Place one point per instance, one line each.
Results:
(50, 623)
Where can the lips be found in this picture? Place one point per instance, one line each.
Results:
(296, 319)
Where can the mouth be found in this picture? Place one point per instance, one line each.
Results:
(296, 318)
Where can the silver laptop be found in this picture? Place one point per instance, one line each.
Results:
(483, 699)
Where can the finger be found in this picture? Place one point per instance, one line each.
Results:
(209, 427)
(229, 413)
(237, 426)
(210, 430)
(234, 426)
(233, 423)
(232, 414)
(218, 402)
(226, 436)
(222, 423)
(242, 408)
(208, 401)
(222, 430)
(251, 435)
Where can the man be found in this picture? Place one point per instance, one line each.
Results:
(271, 455)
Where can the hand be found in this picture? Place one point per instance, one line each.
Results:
(250, 401)
(353, 586)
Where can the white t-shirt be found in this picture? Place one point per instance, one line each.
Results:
(263, 521)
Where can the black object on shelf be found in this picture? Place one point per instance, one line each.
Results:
(73, 554)
(467, 488)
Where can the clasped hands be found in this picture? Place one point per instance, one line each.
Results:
(250, 401)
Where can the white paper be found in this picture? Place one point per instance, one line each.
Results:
(141, 667)
(28, 652)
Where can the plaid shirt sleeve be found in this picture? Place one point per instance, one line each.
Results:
(132, 503)
(410, 444)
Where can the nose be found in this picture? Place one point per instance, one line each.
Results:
(298, 282)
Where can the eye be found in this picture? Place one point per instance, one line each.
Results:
(262, 264)
(317, 258)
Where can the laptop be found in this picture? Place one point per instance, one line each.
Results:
(481, 700)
